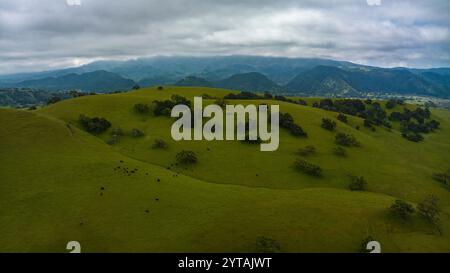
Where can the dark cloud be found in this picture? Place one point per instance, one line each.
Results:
(45, 34)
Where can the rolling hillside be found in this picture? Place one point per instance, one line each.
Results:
(60, 183)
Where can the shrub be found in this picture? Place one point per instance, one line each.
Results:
(402, 209)
(267, 245)
(163, 108)
(177, 99)
(444, 178)
(307, 150)
(160, 88)
(141, 108)
(287, 122)
(339, 151)
(391, 103)
(208, 97)
(243, 96)
(308, 168)
(433, 125)
(137, 133)
(414, 137)
(136, 87)
(346, 140)
(297, 131)
(328, 124)
(186, 157)
(342, 118)
(160, 144)
(94, 125)
(429, 209)
(113, 140)
(357, 183)
(53, 100)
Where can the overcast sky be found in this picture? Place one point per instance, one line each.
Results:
(48, 34)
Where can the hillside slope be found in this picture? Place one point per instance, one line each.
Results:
(52, 177)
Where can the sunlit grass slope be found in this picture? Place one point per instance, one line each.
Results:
(59, 183)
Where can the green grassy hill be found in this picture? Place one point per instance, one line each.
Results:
(59, 183)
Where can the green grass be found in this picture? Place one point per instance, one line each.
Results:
(52, 174)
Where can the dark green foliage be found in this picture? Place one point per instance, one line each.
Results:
(136, 87)
(94, 125)
(429, 209)
(243, 96)
(302, 102)
(444, 178)
(53, 100)
(141, 108)
(346, 106)
(339, 151)
(186, 157)
(177, 99)
(297, 131)
(395, 116)
(413, 123)
(308, 168)
(326, 104)
(163, 108)
(402, 209)
(393, 102)
(160, 88)
(433, 125)
(357, 183)
(328, 124)
(307, 150)
(267, 245)
(414, 137)
(387, 124)
(346, 140)
(137, 133)
(342, 118)
(390, 104)
(113, 140)
(160, 144)
(287, 122)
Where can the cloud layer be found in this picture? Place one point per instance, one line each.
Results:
(46, 34)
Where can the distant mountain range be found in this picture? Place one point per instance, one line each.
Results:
(97, 81)
(315, 77)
